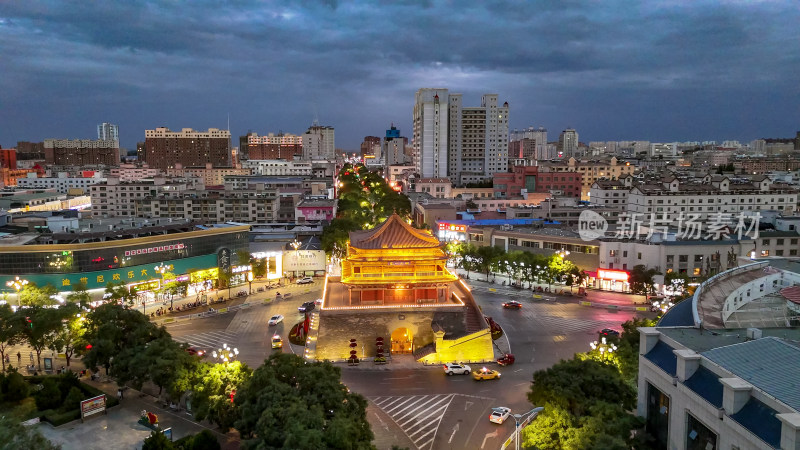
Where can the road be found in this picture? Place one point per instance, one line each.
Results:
(420, 407)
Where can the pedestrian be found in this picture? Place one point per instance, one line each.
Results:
(119, 394)
(31, 357)
(19, 358)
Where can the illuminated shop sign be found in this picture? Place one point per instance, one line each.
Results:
(144, 287)
(616, 275)
(452, 227)
(241, 269)
(160, 248)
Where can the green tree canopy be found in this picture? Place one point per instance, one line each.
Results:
(9, 332)
(33, 295)
(13, 435)
(289, 403)
(641, 279)
(212, 386)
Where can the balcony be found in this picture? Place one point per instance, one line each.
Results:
(400, 277)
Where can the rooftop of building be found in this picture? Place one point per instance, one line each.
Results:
(316, 203)
(394, 232)
(433, 180)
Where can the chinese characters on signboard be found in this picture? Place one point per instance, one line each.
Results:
(160, 248)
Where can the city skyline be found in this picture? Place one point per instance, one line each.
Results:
(662, 71)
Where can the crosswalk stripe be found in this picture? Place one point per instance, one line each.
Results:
(421, 413)
(415, 402)
(436, 410)
(418, 416)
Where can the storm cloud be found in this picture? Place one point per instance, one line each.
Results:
(658, 70)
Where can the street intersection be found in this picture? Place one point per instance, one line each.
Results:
(420, 407)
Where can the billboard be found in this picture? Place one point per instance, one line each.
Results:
(93, 405)
(303, 260)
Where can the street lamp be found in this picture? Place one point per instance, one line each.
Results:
(518, 419)
(562, 253)
(17, 284)
(226, 354)
(162, 269)
(603, 347)
(296, 246)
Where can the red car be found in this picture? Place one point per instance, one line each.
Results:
(512, 304)
(194, 351)
(506, 360)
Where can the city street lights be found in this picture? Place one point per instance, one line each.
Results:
(296, 246)
(518, 419)
(562, 253)
(162, 269)
(226, 354)
(17, 284)
(603, 347)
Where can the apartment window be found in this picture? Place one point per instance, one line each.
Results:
(612, 253)
(696, 271)
(670, 259)
(512, 241)
(683, 258)
(639, 255)
(765, 242)
(657, 418)
(779, 242)
(625, 254)
(778, 252)
(699, 436)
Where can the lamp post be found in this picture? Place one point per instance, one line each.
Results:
(161, 269)
(17, 284)
(518, 418)
(603, 347)
(225, 354)
(296, 246)
(250, 280)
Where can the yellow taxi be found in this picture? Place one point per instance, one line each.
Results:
(485, 374)
(277, 342)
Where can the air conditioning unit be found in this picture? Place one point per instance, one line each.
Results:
(753, 334)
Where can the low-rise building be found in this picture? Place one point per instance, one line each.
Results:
(437, 187)
(209, 174)
(590, 170)
(279, 167)
(116, 198)
(530, 179)
(133, 172)
(311, 210)
(211, 206)
(62, 183)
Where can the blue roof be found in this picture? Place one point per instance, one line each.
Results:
(705, 383)
(490, 222)
(679, 315)
(760, 420)
(662, 356)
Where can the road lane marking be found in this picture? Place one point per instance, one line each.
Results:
(493, 434)
(455, 428)
(427, 407)
(418, 401)
(418, 416)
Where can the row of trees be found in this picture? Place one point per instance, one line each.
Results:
(587, 400)
(523, 267)
(364, 200)
(285, 403)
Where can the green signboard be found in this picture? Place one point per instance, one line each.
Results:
(127, 275)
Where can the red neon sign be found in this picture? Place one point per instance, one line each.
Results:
(452, 227)
(616, 275)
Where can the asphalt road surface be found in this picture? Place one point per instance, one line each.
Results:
(421, 407)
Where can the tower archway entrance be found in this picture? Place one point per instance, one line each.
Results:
(402, 341)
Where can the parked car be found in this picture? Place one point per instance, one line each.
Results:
(485, 374)
(608, 332)
(276, 319)
(306, 307)
(506, 360)
(277, 342)
(305, 280)
(499, 414)
(512, 304)
(454, 368)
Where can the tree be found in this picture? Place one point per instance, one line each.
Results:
(576, 385)
(38, 327)
(13, 435)
(628, 349)
(289, 403)
(467, 253)
(336, 235)
(485, 256)
(260, 268)
(119, 293)
(641, 279)
(212, 387)
(114, 332)
(204, 440)
(67, 337)
(32, 295)
(157, 441)
(9, 332)
(79, 295)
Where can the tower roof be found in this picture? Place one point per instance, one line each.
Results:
(393, 233)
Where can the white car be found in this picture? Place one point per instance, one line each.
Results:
(276, 319)
(305, 280)
(454, 368)
(499, 414)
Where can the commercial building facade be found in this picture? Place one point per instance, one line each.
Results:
(195, 256)
(281, 146)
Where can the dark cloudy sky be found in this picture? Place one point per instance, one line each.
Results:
(659, 70)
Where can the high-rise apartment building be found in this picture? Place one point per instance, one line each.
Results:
(319, 143)
(537, 137)
(394, 147)
(478, 138)
(371, 146)
(107, 132)
(465, 144)
(165, 148)
(568, 143)
(271, 146)
(429, 142)
(81, 152)
(8, 158)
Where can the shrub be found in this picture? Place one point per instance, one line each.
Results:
(67, 381)
(204, 440)
(49, 397)
(73, 400)
(16, 388)
(57, 418)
